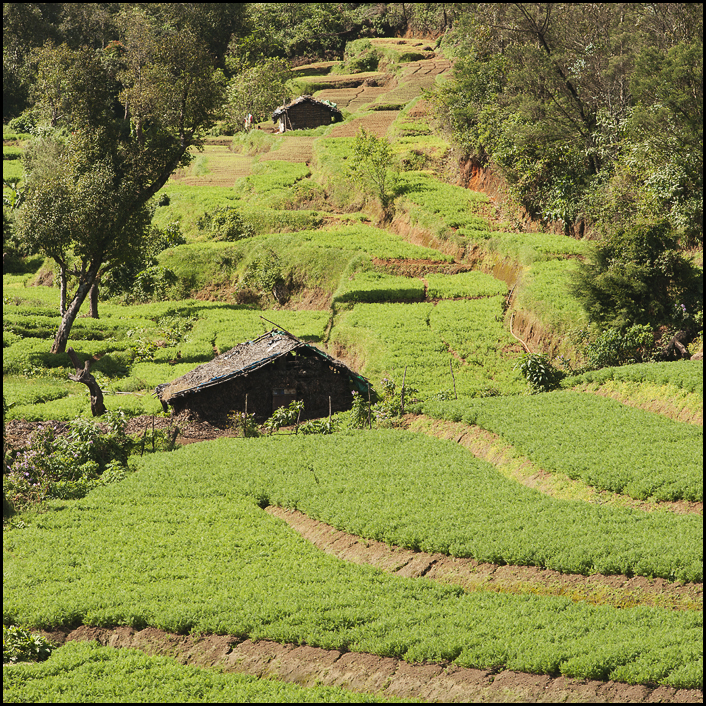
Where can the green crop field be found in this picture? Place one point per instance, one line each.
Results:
(189, 548)
(598, 440)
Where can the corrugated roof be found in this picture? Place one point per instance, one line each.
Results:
(242, 359)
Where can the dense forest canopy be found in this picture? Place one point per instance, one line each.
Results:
(591, 111)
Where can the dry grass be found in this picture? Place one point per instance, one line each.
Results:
(293, 149)
(377, 123)
(215, 166)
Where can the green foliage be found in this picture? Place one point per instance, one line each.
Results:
(378, 287)
(359, 56)
(600, 441)
(637, 276)
(612, 132)
(686, 375)
(420, 492)
(79, 672)
(614, 346)
(320, 426)
(284, 416)
(370, 166)
(359, 416)
(66, 466)
(20, 645)
(390, 337)
(463, 284)
(243, 424)
(256, 90)
(539, 372)
(226, 223)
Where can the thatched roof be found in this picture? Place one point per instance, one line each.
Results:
(245, 358)
(331, 107)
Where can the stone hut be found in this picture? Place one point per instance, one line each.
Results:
(273, 370)
(306, 112)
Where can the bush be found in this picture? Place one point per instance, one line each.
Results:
(638, 276)
(539, 372)
(24, 123)
(614, 346)
(19, 645)
(66, 466)
(226, 223)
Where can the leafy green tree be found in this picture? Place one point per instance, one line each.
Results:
(638, 276)
(371, 166)
(257, 89)
(586, 109)
(132, 119)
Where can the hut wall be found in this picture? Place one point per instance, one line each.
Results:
(309, 115)
(313, 379)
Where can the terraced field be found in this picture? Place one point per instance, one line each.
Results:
(495, 546)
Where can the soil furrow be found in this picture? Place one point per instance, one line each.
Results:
(367, 673)
(616, 590)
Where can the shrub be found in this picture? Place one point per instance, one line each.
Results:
(19, 645)
(638, 276)
(66, 466)
(614, 346)
(284, 416)
(226, 223)
(539, 372)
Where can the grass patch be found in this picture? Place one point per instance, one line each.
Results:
(637, 453)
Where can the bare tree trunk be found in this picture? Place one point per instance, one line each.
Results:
(93, 301)
(62, 288)
(83, 375)
(62, 335)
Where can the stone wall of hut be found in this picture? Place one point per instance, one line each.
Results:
(308, 115)
(312, 379)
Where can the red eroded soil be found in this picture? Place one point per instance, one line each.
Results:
(361, 672)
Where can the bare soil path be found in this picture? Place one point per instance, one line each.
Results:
(383, 676)
(618, 590)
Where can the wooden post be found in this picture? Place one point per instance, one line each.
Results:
(404, 377)
(329, 411)
(453, 377)
(153, 433)
(245, 418)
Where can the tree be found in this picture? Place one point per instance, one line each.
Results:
(637, 276)
(133, 116)
(257, 89)
(563, 97)
(370, 166)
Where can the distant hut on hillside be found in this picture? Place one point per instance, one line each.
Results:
(306, 112)
(273, 370)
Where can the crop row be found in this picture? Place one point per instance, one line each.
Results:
(464, 284)
(370, 286)
(183, 546)
(600, 441)
(85, 672)
(685, 374)
(420, 337)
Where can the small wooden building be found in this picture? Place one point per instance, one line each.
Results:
(306, 112)
(273, 370)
